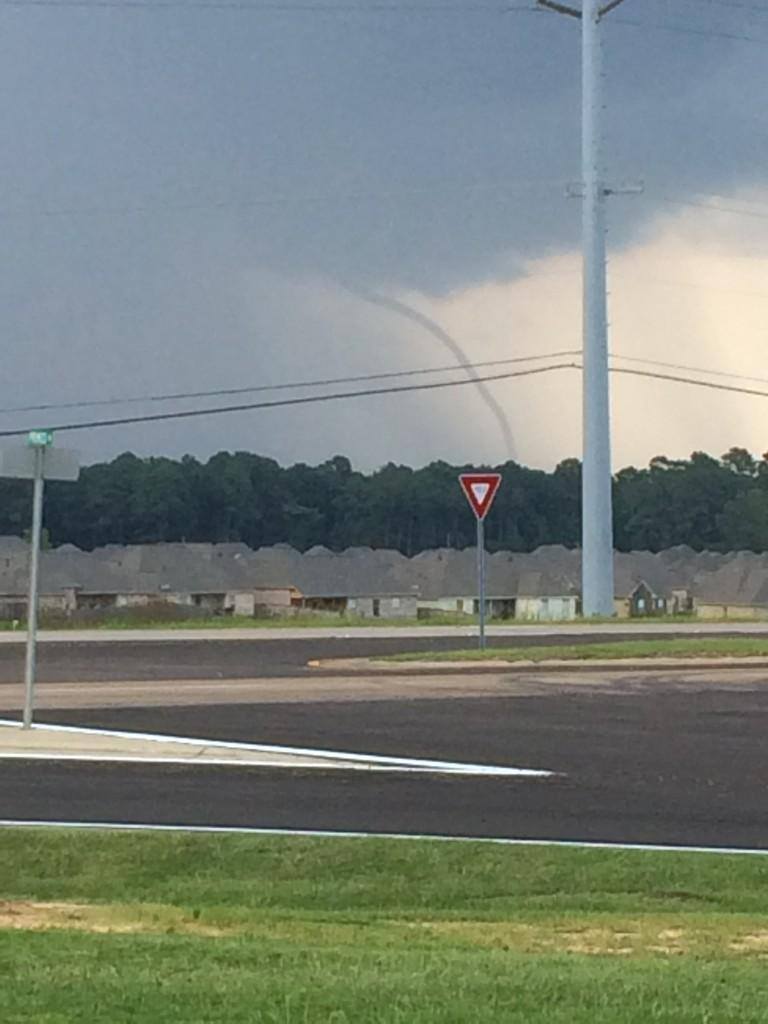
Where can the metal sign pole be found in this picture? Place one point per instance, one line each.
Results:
(35, 461)
(481, 581)
(480, 490)
(34, 565)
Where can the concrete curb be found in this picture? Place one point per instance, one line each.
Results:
(371, 666)
(620, 627)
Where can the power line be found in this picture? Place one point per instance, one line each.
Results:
(362, 378)
(734, 5)
(716, 207)
(690, 369)
(693, 187)
(759, 208)
(628, 277)
(363, 9)
(689, 380)
(277, 7)
(330, 198)
(295, 385)
(692, 31)
(362, 196)
(705, 285)
(371, 392)
(354, 196)
(305, 400)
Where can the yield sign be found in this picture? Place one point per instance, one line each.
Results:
(480, 489)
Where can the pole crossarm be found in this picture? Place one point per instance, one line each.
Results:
(552, 5)
(574, 12)
(602, 11)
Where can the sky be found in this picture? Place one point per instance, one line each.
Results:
(208, 194)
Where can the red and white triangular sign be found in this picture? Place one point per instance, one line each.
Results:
(480, 489)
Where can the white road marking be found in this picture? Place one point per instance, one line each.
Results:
(326, 834)
(352, 760)
(210, 762)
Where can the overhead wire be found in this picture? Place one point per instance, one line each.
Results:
(690, 369)
(735, 5)
(318, 198)
(630, 277)
(715, 207)
(372, 8)
(323, 7)
(688, 380)
(373, 392)
(691, 30)
(359, 379)
(302, 400)
(367, 195)
(290, 386)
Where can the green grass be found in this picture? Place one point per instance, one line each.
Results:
(329, 620)
(193, 928)
(222, 622)
(683, 647)
(319, 620)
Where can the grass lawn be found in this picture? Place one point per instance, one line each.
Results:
(119, 927)
(309, 621)
(680, 647)
(222, 622)
(133, 620)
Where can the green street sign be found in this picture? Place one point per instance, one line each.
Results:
(40, 438)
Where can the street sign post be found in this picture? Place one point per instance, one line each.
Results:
(37, 462)
(480, 490)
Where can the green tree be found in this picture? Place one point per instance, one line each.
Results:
(240, 496)
(744, 522)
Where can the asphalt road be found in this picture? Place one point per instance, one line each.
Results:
(148, 660)
(640, 758)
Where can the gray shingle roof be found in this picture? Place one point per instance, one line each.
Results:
(741, 579)
(553, 571)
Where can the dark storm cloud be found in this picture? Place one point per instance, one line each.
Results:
(153, 160)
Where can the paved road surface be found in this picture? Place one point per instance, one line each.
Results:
(274, 657)
(642, 757)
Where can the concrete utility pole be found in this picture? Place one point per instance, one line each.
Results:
(596, 502)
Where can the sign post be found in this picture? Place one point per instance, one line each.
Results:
(481, 584)
(38, 441)
(480, 490)
(37, 462)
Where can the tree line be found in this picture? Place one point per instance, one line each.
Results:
(704, 502)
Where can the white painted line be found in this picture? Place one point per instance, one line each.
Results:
(353, 760)
(326, 834)
(213, 762)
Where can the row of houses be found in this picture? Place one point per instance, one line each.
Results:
(222, 579)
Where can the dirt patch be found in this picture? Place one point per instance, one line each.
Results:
(671, 942)
(752, 942)
(622, 937)
(33, 915)
(627, 937)
(551, 938)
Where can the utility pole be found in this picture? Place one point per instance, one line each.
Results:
(596, 498)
